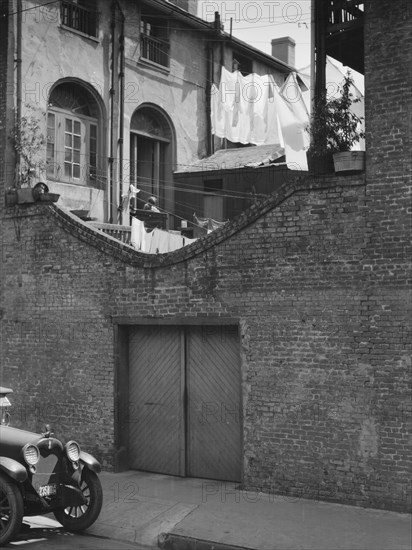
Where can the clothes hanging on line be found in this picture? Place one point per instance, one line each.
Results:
(253, 110)
(207, 223)
(157, 241)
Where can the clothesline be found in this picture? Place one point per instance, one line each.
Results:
(252, 109)
(157, 241)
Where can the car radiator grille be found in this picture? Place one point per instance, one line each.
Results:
(48, 470)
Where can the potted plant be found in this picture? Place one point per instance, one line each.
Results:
(335, 129)
(28, 142)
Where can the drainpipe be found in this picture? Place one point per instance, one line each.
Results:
(312, 54)
(218, 27)
(18, 84)
(209, 82)
(112, 94)
(321, 14)
(121, 129)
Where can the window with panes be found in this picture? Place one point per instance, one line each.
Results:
(73, 136)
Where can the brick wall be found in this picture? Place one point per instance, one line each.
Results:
(3, 87)
(386, 263)
(317, 278)
(288, 271)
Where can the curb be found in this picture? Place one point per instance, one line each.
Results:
(169, 541)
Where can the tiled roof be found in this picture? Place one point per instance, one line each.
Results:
(227, 159)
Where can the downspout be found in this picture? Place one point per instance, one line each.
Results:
(312, 54)
(18, 85)
(209, 82)
(121, 122)
(218, 27)
(112, 94)
(320, 44)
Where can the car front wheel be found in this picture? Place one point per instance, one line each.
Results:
(79, 518)
(11, 509)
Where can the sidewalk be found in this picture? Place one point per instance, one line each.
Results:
(193, 514)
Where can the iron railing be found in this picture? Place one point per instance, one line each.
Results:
(155, 50)
(79, 18)
(343, 14)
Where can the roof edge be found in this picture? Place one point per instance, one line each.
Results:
(201, 24)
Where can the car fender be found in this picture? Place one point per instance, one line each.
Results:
(13, 469)
(90, 462)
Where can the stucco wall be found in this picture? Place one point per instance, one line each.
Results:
(51, 53)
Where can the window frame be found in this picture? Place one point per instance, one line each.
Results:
(92, 23)
(151, 39)
(59, 148)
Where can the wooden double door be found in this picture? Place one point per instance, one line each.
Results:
(185, 401)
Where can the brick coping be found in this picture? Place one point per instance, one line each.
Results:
(126, 253)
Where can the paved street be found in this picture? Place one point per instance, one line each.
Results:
(41, 532)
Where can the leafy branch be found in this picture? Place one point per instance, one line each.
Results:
(28, 142)
(334, 127)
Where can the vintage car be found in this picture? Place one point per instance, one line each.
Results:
(39, 474)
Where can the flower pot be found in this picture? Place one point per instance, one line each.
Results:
(320, 164)
(349, 161)
(11, 197)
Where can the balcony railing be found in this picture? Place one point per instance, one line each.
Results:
(155, 50)
(151, 219)
(344, 14)
(79, 18)
(120, 232)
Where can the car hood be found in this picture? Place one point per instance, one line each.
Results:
(13, 439)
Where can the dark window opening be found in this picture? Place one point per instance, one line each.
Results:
(242, 64)
(80, 15)
(150, 156)
(213, 186)
(154, 33)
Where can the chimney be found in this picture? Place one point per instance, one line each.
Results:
(284, 50)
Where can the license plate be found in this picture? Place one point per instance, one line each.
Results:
(47, 490)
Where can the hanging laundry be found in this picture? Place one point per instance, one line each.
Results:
(157, 241)
(253, 110)
(294, 119)
(207, 223)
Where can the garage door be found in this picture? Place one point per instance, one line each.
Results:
(156, 423)
(184, 396)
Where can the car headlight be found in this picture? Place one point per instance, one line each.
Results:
(31, 454)
(73, 451)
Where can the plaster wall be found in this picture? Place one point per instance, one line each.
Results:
(51, 53)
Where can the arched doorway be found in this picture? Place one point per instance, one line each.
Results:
(152, 157)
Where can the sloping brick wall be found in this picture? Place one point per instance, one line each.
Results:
(289, 272)
(317, 279)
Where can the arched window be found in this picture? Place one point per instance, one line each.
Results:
(151, 155)
(74, 135)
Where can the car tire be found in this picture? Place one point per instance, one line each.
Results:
(79, 518)
(11, 509)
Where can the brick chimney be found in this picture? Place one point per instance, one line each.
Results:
(284, 49)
